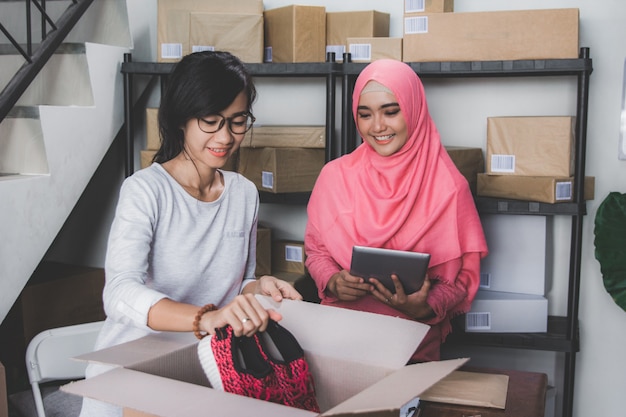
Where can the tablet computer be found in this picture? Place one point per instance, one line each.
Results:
(410, 267)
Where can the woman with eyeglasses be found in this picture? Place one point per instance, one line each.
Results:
(182, 246)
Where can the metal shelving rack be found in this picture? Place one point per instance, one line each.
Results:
(563, 331)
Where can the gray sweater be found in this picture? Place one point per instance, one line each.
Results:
(165, 243)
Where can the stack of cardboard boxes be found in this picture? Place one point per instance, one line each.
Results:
(511, 296)
(531, 158)
(432, 31)
(283, 159)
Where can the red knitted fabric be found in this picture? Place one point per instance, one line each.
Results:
(245, 367)
(296, 386)
(259, 383)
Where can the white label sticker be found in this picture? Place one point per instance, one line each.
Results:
(563, 190)
(267, 179)
(503, 163)
(201, 48)
(417, 24)
(478, 321)
(293, 253)
(171, 50)
(414, 6)
(361, 51)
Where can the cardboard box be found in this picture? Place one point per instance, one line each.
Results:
(539, 189)
(469, 162)
(285, 137)
(371, 49)
(153, 137)
(145, 158)
(355, 24)
(501, 312)
(487, 36)
(160, 374)
(506, 269)
(288, 256)
(61, 295)
(281, 170)
(4, 403)
(428, 6)
(533, 146)
(263, 251)
(295, 34)
(239, 34)
(173, 22)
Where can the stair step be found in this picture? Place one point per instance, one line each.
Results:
(22, 147)
(63, 81)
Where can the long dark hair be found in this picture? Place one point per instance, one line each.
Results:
(202, 83)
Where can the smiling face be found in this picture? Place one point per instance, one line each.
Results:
(214, 149)
(380, 121)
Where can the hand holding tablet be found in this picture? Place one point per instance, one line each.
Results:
(410, 267)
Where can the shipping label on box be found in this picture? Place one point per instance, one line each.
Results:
(491, 36)
(539, 189)
(355, 24)
(504, 270)
(239, 34)
(281, 170)
(529, 145)
(428, 6)
(371, 49)
(295, 34)
(288, 256)
(164, 375)
(285, 137)
(500, 312)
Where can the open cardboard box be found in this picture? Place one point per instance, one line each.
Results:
(357, 360)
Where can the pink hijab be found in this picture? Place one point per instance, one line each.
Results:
(415, 199)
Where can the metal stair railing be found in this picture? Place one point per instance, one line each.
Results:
(35, 60)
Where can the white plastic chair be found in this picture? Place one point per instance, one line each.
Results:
(49, 356)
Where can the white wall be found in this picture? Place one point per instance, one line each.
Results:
(460, 108)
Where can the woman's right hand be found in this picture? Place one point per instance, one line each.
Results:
(347, 287)
(244, 314)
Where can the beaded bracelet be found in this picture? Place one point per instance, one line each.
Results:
(196, 321)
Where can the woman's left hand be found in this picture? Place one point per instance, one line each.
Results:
(276, 288)
(413, 305)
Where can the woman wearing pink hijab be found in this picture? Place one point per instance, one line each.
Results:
(398, 190)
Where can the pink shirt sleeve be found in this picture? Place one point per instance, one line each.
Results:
(449, 294)
(320, 264)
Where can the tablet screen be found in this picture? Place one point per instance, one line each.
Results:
(380, 263)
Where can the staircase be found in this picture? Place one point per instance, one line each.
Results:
(56, 135)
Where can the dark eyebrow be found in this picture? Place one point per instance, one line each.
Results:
(384, 106)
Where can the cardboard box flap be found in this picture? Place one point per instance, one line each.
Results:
(141, 350)
(165, 397)
(398, 388)
(329, 331)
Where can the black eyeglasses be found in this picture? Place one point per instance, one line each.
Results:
(237, 124)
